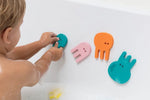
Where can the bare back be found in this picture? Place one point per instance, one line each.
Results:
(13, 76)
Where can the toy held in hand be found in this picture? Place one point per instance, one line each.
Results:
(62, 42)
(103, 43)
(119, 70)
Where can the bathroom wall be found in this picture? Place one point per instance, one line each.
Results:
(81, 22)
(141, 6)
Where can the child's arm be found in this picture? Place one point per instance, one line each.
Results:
(27, 51)
(52, 54)
(35, 71)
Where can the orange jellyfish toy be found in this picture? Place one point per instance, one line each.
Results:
(103, 43)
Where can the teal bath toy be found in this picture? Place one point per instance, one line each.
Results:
(62, 42)
(119, 70)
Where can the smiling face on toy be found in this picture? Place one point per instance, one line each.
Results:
(119, 73)
(119, 70)
(103, 43)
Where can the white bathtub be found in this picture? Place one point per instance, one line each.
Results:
(80, 21)
(139, 6)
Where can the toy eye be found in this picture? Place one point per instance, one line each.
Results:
(121, 65)
(107, 43)
(84, 49)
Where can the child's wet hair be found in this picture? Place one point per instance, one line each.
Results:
(11, 11)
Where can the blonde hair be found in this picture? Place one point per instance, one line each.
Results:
(11, 12)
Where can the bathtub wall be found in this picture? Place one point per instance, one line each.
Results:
(81, 22)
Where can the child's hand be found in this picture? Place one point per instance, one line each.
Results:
(56, 52)
(48, 38)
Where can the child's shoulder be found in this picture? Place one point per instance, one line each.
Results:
(15, 68)
(21, 71)
(13, 64)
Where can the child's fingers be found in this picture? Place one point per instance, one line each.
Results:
(61, 48)
(54, 39)
(56, 45)
(53, 35)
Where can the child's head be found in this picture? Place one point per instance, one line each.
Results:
(11, 17)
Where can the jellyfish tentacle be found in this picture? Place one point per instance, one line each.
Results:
(122, 57)
(107, 53)
(102, 54)
(132, 63)
(96, 53)
(128, 58)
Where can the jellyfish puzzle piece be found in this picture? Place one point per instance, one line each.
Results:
(81, 51)
(62, 42)
(119, 70)
(103, 43)
(55, 94)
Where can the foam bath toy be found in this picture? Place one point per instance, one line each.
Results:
(120, 71)
(55, 94)
(103, 43)
(81, 51)
(62, 42)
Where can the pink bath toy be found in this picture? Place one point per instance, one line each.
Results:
(81, 51)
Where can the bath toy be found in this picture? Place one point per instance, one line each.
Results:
(119, 70)
(103, 43)
(55, 94)
(81, 51)
(62, 42)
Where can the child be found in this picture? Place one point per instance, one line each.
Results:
(15, 70)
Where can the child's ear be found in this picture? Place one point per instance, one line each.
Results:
(5, 36)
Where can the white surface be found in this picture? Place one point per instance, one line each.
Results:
(80, 23)
(138, 6)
